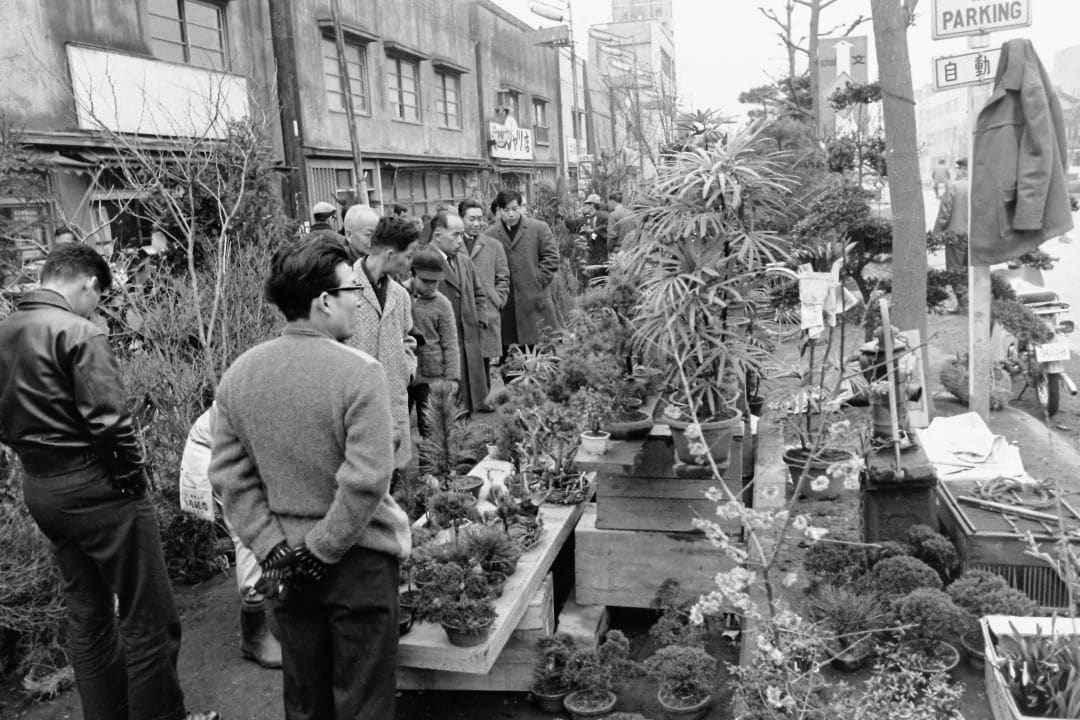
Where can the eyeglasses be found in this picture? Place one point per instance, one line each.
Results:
(343, 288)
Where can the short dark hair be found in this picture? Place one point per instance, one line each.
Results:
(469, 204)
(72, 260)
(616, 196)
(394, 232)
(301, 271)
(504, 198)
(399, 209)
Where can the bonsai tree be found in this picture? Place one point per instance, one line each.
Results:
(493, 550)
(850, 618)
(447, 432)
(980, 593)
(673, 627)
(896, 576)
(554, 652)
(836, 563)
(466, 614)
(686, 674)
(934, 549)
(594, 671)
(596, 408)
(933, 617)
(449, 509)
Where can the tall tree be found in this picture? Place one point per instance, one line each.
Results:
(891, 21)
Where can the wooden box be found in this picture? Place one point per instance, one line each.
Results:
(513, 668)
(624, 568)
(1002, 703)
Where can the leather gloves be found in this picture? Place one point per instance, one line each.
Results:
(286, 572)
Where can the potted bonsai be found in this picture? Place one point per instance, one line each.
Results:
(449, 509)
(447, 437)
(934, 620)
(981, 593)
(697, 255)
(594, 671)
(628, 421)
(466, 620)
(596, 409)
(493, 550)
(457, 598)
(686, 674)
(550, 684)
(850, 619)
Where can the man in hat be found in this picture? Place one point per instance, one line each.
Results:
(953, 216)
(592, 225)
(325, 216)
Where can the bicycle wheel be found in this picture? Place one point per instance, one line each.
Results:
(776, 303)
(1047, 390)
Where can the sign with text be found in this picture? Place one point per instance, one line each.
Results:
(956, 18)
(510, 142)
(970, 68)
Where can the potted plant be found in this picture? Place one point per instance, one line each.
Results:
(698, 253)
(594, 671)
(895, 692)
(448, 436)
(449, 509)
(1036, 665)
(628, 421)
(686, 674)
(894, 577)
(596, 408)
(493, 550)
(550, 684)
(982, 593)
(466, 620)
(458, 598)
(933, 621)
(850, 619)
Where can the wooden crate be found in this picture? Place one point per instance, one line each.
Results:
(658, 504)
(623, 568)
(1001, 700)
(986, 542)
(513, 668)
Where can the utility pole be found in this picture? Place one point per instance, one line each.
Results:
(350, 112)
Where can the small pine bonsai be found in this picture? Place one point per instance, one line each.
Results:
(594, 671)
(493, 550)
(673, 627)
(554, 653)
(446, 431)
(686, 674)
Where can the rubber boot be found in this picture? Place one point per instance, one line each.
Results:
(256, 641)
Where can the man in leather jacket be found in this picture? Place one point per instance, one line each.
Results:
(62, 410)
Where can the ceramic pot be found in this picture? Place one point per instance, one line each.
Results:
(716, 435)
(594, 443)
(974, 649)
(672, 711)
(796, 460)
(468, 484)
(467, 638)
(852, 658)
(632, 429)
(405, 621)
(950, 658)
(549, 702)
(579, 711)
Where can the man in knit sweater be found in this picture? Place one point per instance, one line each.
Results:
(303, 451)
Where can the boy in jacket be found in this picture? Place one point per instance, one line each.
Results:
(433, 320)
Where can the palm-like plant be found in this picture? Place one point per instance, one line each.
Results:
(698, 254)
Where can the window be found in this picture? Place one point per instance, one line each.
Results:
(404, 88)
(447, 103)
(508, 99)
(356, 63)
(540, 122)
(188, 31)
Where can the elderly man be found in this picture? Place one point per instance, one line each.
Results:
(360, 222)
(65, 415)
(492, 275)
(386, 318)
(466, 297)
(303, 453)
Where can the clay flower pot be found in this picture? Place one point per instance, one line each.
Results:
(467, 638)
(594, 442)
(580, 708)
(716, 436)
(550, 702)
(672, 710)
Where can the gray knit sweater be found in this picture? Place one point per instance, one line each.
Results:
(303, 448)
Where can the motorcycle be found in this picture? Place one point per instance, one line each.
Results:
(1042, 364)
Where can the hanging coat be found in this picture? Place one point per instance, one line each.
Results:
(534, 260)
(493, 275)
(384, 334)
(1019, 196)
(467, 299)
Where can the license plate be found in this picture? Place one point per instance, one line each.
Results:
(1052, 352)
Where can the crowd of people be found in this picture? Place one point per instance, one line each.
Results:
(305, 437)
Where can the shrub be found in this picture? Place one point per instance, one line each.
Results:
(595, 671)
(494, 550)
(934, 549)
(888, 549)
(685, 673)
(554, 652)
(673, 627)
(897, 576)
(932, 613)
(986, 593)
(845, 612)
(836, 563)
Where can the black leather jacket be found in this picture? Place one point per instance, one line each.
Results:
(61, 399)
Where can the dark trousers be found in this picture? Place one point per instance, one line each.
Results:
(418, 397)
(339, 641)
(105, 544)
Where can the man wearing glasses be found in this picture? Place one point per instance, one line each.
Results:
(303, 452)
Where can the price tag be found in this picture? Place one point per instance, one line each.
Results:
(1052, 352)
(196, 498)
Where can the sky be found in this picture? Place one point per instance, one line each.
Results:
(723, 47)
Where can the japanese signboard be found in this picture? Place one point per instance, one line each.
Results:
(509, 141)
(955, 18)
(970, 68)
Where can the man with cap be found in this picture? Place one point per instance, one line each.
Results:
(433, 320)
(953, 215)
(325, 216)
(592, 226)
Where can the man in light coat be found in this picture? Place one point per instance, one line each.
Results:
(360, 222)
(492, 274)
(386, 318)
(466, 297)
(533, 258)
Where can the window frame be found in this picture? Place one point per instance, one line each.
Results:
(444, 76)
(185, 34)
(362, 48)
(541, 132)
(396, 95)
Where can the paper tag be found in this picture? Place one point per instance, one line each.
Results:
(197, 498)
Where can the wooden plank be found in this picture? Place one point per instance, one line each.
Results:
(656, 504)
(623, 568)
(426, 645)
